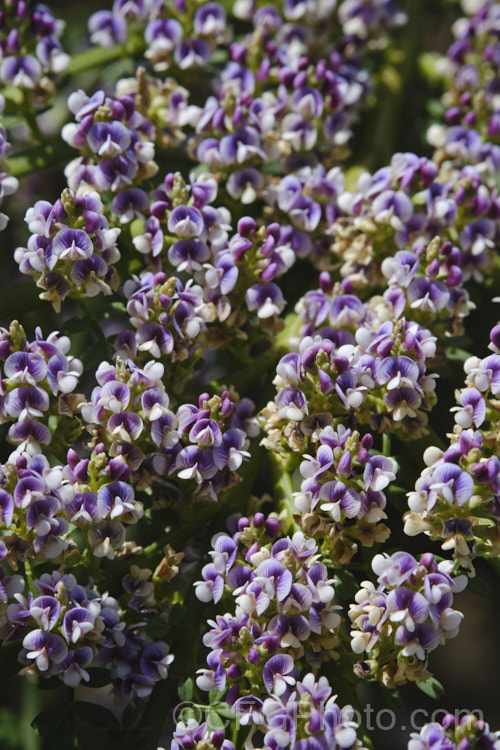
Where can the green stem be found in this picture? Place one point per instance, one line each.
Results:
(28, 572)
(96, 57)
(182, 532)
(283, 488)
(30, 119)
(40, 157)
(386, 445)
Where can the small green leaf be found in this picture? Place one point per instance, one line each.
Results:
(185, 691)
(432, 688)
(214, 695)
(214, 721)
(454, 354)
(479, 587)
(346, 584)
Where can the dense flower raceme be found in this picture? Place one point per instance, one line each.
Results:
(176, 38)
(185, 233)
(38, 380)
(308, 718)
(450, 734)
(8, 184)
(397, 624)
(64, 628)
(206, 443)
(310, 111)
(42, 504)
(457, 497)
(285, 88)
(471, 70)
(380, 380)
(446, 226)
(341, 499)
(173, 36)
(31, 56)
(282, 611)
(164, 103)
(196, 735)
(116, 142)
(72, 248)
(409, 302)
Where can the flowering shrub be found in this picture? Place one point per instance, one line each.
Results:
(259, 322)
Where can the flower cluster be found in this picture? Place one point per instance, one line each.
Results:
(198, 185)
(469, 732)
(8, 185)
(129, 414)
(283, 610)
(164, 104)
(380, 381)
(167, 318)
(193, 734)
(446, 226)
(341, 496)
(66, 627)
(72, 248)
(185, 233)
(31, 56)
(116, 142)
(38, 379)
(406, 617)
(457, 496)
(282, 90)
(308, 200)
(245, 126)
(309, 717)
(174, 37)
(471, 69)
(33, 501)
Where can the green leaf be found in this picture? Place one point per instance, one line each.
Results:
(214, 721)
(99, 677)
(185, 691)
(479, 587)
(214, 695)
(224, 710)
(454, 354)
(40, 157)
(176, 615)
(49, 721)
(432, 688)
(95, 715)
(156, 627)
(346, 584)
